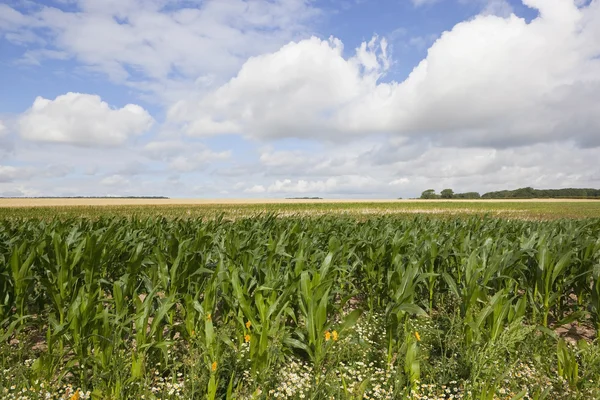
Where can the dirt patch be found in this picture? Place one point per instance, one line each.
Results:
(576, 331)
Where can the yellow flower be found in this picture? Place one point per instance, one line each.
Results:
(209, 317)
(75, 395)
(335, 336)
(418, 336)
(327, 336)
(246, 338)
(193, 333)
(214, 366)
(248, 325)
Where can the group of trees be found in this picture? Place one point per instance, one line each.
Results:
(448, 194)
(531, 193)
(522, 193)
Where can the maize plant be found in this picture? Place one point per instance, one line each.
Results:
(298, 306)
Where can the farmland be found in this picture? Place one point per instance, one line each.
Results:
(301, 300)
(232, 208)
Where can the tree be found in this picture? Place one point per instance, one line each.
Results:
(447, 193)
(429, 194)
(467, 195)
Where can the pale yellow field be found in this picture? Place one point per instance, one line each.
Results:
(54, 202)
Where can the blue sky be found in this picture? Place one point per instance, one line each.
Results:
(280, 98)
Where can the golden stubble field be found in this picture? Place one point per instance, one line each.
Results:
(54, 202)
(240, 208)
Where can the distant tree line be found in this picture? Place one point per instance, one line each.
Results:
(304, 198)
(448, 194)
(531, 193)
(521, 193)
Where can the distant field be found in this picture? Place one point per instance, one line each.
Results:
(231, 208)
(45, 202)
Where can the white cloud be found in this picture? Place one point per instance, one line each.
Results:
(3, 129)
(11, 19)
(498, 7)
(501, 8)
(82, 119)
(183, 157)
(401, 181)
(419, 3)
(255, 189)
(481, 169)
(490, 80)
(35, 57)
(294, 92)
(9, 173)
(339, 185)
(19, 191)
(158, 44)
(115, 180)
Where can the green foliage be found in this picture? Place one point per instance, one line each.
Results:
(467, 195)
(531, 193)
(429, 194)
(382, 307)
(447, 193)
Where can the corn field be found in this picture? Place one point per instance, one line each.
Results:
(299, 308)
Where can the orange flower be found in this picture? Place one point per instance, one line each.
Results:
(335, 336)
(209, 317)
(75, 395)
(246, 338)
(418, 336)
(248, 325)
(327, 336)
(214, 366)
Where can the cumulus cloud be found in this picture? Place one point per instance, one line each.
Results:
(10, 173)
(482, 169)
(255, 189)
(181, 156)
(498, 7)
(294, 92)
(125, 39)
(6, 141)
(115, 181)
(491, 80)
(339, 186)
(83, 120)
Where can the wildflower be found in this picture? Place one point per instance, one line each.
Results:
(246, 338)
(75, 395)
(327, 336)
(193, 333)
(418, 336)
(248, 324)
(335, 336)
(214, 366)
(209, 317)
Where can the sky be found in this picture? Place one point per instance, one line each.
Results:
(293, 98)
